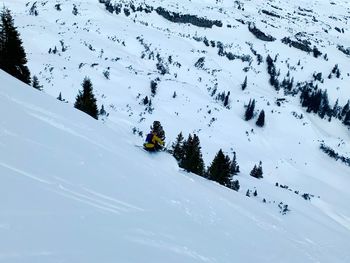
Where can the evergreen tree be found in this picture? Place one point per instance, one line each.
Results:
(102, 111)
(157, 128)
(325, 109)
(253, 171)
(85, 100)
(249, 113)
(60, 97)
(336, 110)
(192, 160)
(219, 169)
(154, 86)
(235, 185)
(304, 97)
(12, 55)
(346, 120)
(248, 193)
(234, 167)
(36, 84)
(177, 148)
(261, 119)
(226, 100)
(33, 10)
(145, 100)
(257, 171)
(244, 85)
(345, 109)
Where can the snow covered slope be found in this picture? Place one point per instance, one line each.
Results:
(71, 192)
(84, 199)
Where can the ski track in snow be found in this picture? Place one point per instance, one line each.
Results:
(82, 194)
(26, 174)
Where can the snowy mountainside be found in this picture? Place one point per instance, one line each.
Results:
(122, 53)
(97, 205)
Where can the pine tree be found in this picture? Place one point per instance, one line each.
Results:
(219, 169)
(253, 172)
(257, 171)
(145, 100)
(346, 120)
(325, 109)
(157, 128)
(102, 111)
(85, 100)
(244, 85)
(36, 84)
(249, 113)
(261, 119)
(177, 148)
(345, 109)
(154, 86)
(12, 55)
(226, 100)
(60, 97)
(235, 185)
(336, 110)
(234, 167)
(192, 160)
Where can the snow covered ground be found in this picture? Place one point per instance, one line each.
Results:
(71, 192)
(70, 188)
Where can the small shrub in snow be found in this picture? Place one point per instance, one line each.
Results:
(106, 73)
(58, 7)
(75, 10)
(36, 84)
(283, 208)
(33, 11)
(248, 193)
(235, 185)
(306, 196)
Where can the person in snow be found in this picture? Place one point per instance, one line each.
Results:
(153, 142)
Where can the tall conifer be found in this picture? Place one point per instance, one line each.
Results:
(12, 55)
(85, 100)
(192, 160)
(219, 169)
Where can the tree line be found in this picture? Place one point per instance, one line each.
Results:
(222, 169)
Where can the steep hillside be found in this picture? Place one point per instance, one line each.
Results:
(70, 192)
(195, 53)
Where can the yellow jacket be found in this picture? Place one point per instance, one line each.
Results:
(155, 140)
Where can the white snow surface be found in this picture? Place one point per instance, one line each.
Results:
(77, 190)
(74, 189)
